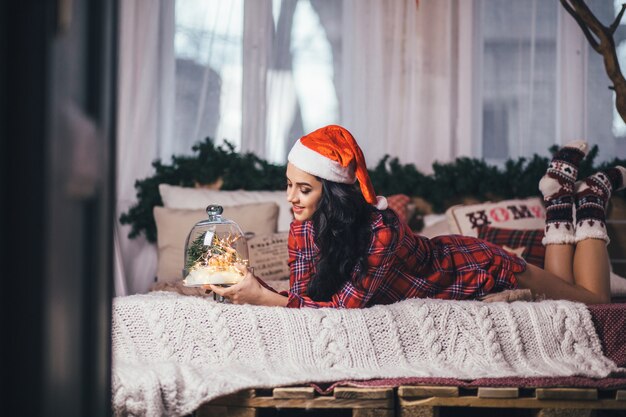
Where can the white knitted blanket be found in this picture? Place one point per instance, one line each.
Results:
(171, 353)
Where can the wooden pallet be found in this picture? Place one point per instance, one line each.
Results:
(419, 401)
(427, 401)
(364, 402)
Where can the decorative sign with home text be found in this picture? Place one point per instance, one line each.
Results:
(508, 214)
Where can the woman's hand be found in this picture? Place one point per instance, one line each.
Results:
(249, 291)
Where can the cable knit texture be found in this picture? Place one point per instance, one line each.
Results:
(171, 353)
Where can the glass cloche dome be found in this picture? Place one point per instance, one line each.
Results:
(216, 251)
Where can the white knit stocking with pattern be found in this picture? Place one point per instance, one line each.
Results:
(592, 197)
(557, 187)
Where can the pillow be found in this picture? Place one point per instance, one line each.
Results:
(513, 214)
(269, 256)
(173, 226)
(198, 198)
(398, 203)
(525, 243)
(435, 225)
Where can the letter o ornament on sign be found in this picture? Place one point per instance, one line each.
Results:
(499, 214)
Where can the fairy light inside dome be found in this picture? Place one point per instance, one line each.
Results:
(217, 263)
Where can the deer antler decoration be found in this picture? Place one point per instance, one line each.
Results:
(601, 39)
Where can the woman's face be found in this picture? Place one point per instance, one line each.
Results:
(304, 192)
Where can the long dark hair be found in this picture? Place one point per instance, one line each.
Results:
(342, 234)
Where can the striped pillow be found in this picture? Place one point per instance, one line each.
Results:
(527, 242)
(398, 203)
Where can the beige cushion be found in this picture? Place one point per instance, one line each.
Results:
(173, 226)
(435, 225)
(198, 198)
(269, 255)
(507, 214)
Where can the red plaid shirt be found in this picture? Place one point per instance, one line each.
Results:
(402, 265)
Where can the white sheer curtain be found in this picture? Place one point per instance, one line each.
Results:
(257, 42)
(208, 53)
(603, 125)
(145, 109)
(273, 99)
(518, 75)
(397, 83)
(541, 83)
(382, 68)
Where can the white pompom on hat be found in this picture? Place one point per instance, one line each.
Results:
(332, 153)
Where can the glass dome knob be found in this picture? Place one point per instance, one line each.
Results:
(214, 210)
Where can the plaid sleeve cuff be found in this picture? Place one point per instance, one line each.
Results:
(293, 301)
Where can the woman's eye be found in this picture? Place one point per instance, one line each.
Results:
(305, 191)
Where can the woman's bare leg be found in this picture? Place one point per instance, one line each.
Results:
(588, 264)
(592, 268)
(545, 283)
(559, 260)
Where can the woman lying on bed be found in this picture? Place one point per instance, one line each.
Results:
(346, 249)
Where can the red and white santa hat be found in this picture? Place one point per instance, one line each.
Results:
(332, 153)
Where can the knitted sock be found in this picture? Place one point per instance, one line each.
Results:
(557, 187)
(592, 197)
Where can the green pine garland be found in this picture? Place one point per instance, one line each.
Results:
(208, 164)
(196, 251)
(450, 183)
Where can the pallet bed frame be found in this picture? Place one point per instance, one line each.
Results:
(419, 401)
